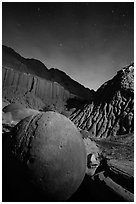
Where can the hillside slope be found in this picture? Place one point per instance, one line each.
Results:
(32, 91)
(112, 110)
(12, 60)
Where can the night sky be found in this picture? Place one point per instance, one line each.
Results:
(89, 41)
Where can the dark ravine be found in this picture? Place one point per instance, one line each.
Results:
(111, 112)
(30, 80)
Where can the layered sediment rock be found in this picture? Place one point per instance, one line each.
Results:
(32, 90)
(118, 177)
(112, 110)
(29, 81)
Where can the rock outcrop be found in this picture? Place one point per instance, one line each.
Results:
(29, 81)
(32, 91)
(112, 109)
(13, 113)
(118, 177)
(112, 182)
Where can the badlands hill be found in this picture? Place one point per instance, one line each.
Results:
(111, 112)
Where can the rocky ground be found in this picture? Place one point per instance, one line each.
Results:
(109, 171)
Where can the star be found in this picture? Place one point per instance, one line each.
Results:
(105, 40)
(82, 46)
(60, 44)
(77, 23)
(123, 14)
(94, 26)
(38, 9)
(18, 24)
(112, 61)
(112, 11)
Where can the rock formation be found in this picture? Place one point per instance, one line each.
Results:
(109, 112)
(112, 109)
(32, 91)
(118, 177)
(30, 82)
(46, 157)
(13, 113)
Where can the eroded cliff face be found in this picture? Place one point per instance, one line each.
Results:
(32, 91)
(112, 111)
(53, 78)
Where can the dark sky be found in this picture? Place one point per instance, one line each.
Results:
(89, 41)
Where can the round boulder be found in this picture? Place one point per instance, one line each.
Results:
(45, 158)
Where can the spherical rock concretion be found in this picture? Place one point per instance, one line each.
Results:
(45, 153)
